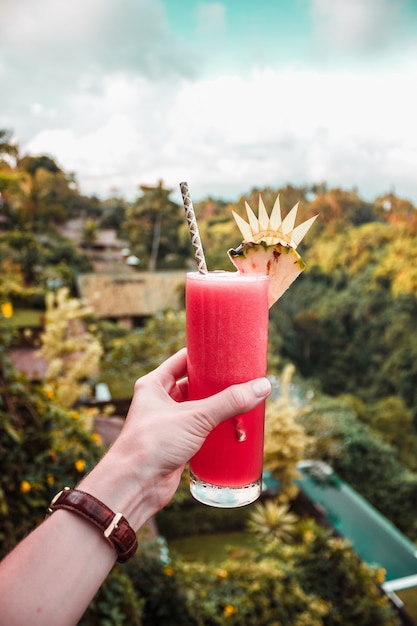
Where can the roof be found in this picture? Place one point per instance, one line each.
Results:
(104, 237)
(108, 238)
(131, 294)
(29, 362)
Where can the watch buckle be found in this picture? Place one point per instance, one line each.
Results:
(113, 525)
(55, 499)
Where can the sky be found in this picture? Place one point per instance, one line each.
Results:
(228, 95)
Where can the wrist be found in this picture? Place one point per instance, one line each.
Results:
(123, 483)
(114, 527)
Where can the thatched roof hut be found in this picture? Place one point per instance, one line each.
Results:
(132, 295)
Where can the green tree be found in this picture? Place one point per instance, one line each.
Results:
(391, 421)
(9, 179)
(42, 258)
(89, 234)
(316, 581)
(113, 212)
(133, 354)
(45, 191)
(340, 209)
(152, 226)
(348, 321)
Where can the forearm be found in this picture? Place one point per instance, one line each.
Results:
(52, 576)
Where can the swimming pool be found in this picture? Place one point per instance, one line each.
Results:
(373, 537)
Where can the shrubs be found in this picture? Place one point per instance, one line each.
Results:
(256, 594)
(116, 603)
(316, 581)
(42, 448)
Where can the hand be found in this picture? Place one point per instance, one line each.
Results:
(163, 430)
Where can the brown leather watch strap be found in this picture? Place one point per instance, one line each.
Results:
(114, 526)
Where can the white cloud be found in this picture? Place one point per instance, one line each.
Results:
(52, 51)
(357, 26)
(112, 35)
(112, 94)
(229, 134)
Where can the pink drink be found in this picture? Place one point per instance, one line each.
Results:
(227, 336)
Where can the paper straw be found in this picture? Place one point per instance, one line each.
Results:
(193, 226)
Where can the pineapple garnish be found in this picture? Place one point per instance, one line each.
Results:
(269, 246)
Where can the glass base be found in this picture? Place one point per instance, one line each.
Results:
(224, 497)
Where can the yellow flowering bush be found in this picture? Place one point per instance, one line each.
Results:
(72, 351)
(42, 449)
(285, 439)
(316, 581)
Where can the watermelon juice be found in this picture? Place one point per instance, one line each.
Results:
(227, 337)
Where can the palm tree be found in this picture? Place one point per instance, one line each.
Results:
(152, 226)
(273, 521)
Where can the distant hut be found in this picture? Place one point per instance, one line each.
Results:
(131, 298)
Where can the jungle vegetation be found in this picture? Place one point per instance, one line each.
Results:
(347, 328)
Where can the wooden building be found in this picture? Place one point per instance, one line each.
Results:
(132, 297)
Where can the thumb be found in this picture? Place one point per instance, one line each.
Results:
(237, 399)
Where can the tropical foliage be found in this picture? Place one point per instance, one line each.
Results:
(285, 439)
(271, 520)
(43, 447)
(315, 581)
(72, 351)
(342, 341)
(152, 228)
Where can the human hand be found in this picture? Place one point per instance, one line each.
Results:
(163, 429)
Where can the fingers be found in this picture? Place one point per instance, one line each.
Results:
(174, 367)
(236, 399)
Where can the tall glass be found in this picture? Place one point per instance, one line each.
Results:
(227, 337)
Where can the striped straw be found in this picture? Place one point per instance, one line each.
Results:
(193, 227)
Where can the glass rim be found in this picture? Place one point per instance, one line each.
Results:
(226, 275)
